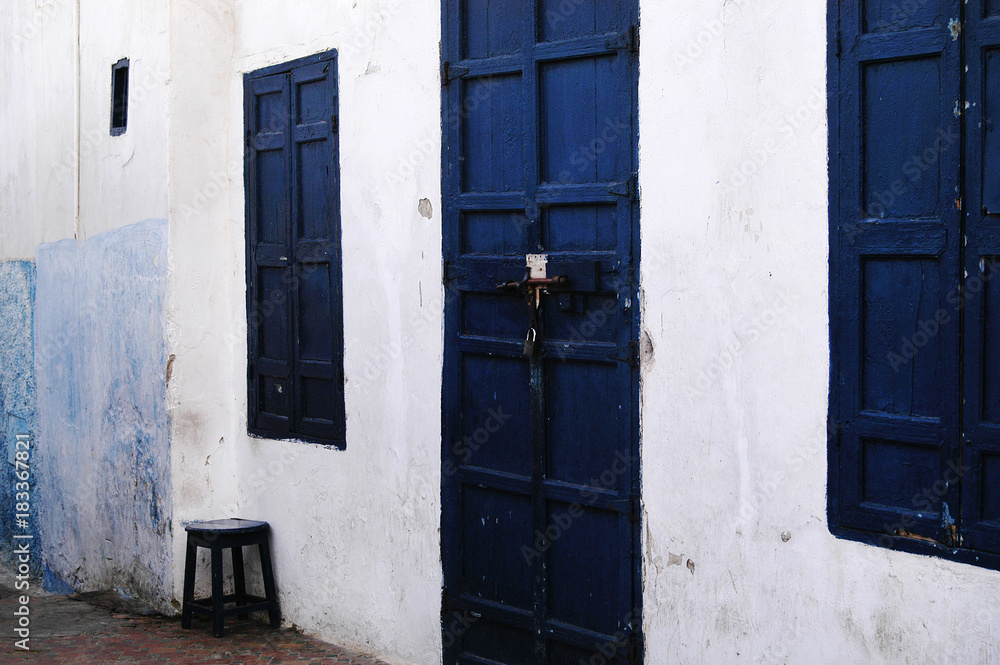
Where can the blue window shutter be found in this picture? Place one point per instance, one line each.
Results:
(980, 518)
(269, 216)
(318, 351)
(895, 262)
(295, 382)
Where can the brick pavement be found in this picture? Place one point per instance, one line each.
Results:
(68, 631)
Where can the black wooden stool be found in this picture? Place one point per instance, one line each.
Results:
(219, 535)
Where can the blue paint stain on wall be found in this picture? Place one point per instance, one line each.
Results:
(52, 583)
(17, 408)
(103, 438)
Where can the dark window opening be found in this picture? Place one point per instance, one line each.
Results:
(119, 97)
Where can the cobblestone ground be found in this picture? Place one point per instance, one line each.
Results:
(92, 630)
(149, 640)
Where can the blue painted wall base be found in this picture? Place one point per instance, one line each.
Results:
(52, 583)
(103, 439)
(17, 406)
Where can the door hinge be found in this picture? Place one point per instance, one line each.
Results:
(452, 273)
(446, 603)
(635, 509)
(628, 189)
(450, 72)
(627, 353)
(627, 41)
(633, 650)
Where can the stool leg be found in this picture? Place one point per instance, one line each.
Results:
(272, 597)
(240, 579)
(189, 572)
(218, 592)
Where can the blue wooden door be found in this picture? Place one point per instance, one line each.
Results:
(540, 459)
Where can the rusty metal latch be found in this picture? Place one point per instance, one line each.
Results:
(533, 288)
(528, 283)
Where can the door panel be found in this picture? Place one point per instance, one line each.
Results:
(587, 584)
(578, 112)
(540, 540)
(493, 146)
(561, 20)
(508, 449)
(493, 27)
(583, 450)
(502, 577)
(891, 15)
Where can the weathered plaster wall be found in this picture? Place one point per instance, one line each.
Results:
(355, 536)
(733, 142)
(63, 175)
(123, 179)
(37, 124)
(206, 293)
(17, 399)
(102, 448)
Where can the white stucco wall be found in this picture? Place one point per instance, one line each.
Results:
(123, 179)
(207, 310)
(54, 125)
(37, 124)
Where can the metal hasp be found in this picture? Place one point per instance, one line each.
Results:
(533, 288)
(529, 282)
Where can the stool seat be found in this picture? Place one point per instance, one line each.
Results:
(228, 526)
(219, 535)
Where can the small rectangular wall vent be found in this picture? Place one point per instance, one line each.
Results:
(119, 97)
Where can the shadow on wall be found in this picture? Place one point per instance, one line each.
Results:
(102, 456)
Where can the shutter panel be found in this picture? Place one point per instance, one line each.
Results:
(319, 396)
(269, 255)
(896, 242)
(981, 459)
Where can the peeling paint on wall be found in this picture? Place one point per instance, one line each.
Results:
(103, 443)
(17, 393)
